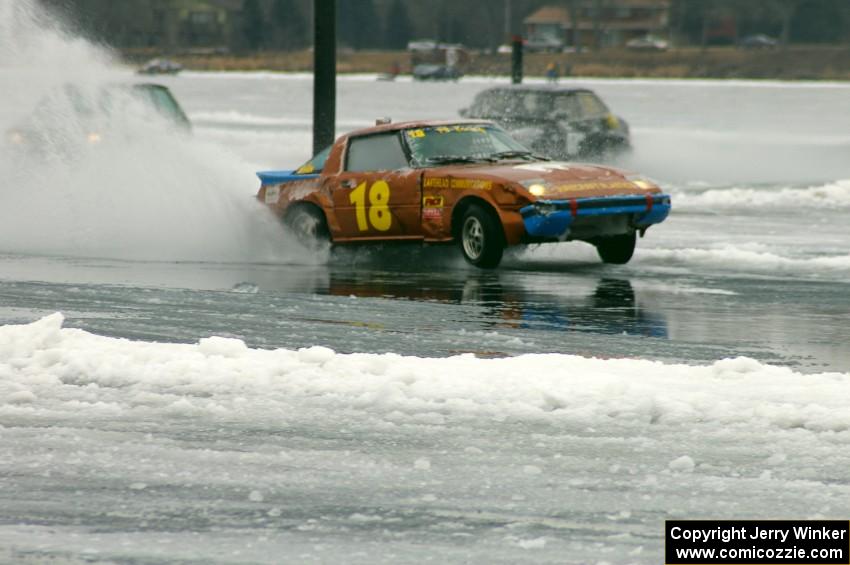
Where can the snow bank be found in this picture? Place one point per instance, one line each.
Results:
(751, 258)
(827, 197)
(49, 371)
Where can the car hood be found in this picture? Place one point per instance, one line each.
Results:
(560, 180)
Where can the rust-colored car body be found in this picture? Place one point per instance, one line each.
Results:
(426, 202)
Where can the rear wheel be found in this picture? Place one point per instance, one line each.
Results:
(616, 249)
(307, 223)
(482, 240)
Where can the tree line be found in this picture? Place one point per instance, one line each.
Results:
(482, 24)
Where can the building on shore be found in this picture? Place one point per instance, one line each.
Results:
(600, 23)
(196, 24)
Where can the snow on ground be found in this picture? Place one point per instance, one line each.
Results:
(830, 196)
(50, 371)
(119, 449)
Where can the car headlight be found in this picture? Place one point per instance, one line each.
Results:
(536, 187)
(612, 122)
(643, 183)
(93, 137)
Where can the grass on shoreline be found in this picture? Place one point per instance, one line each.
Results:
(794, 63)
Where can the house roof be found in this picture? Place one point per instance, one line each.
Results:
(561, 15)
(548, 15)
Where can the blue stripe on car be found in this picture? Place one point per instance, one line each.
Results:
(553, 218)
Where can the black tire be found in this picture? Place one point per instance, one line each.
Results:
(481, 238)
(307, 223)
(616, 249)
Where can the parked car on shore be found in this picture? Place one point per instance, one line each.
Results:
(648, 43)
(160, 67)
(543, 44)
(466, 182)
(559, 122)
(758, 41)
(436, 72)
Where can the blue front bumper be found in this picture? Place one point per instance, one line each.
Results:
(553, 218)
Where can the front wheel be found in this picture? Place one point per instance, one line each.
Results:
(616, 249)
(307, 223)
(482, 240)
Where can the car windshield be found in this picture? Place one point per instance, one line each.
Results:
(316, 164)
(462, 143)
(162, 100)
(106, 103)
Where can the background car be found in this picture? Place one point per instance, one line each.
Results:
(466, 182)
(71, 116)
(543, 44)
(558, 122)
(647, 43)
(160, 67)
(436, 72)
(758, 41)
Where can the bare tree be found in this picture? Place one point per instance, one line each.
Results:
(575, 33)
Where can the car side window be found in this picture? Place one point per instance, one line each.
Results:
(531, 104)
(591, 106)
(567, 105)
(380, 152)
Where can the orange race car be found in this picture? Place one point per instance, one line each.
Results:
(459, 181)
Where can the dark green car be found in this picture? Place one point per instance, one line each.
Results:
(73, 117)
(560, 122)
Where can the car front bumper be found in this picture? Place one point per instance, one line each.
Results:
(554, 219)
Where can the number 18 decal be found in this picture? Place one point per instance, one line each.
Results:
(379, 210)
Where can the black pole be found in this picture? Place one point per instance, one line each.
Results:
(516, 60)
(324, 73)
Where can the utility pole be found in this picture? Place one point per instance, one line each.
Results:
(509, 29)
(324, 73)
(516, 60)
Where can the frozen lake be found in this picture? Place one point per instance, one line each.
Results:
(210, 394)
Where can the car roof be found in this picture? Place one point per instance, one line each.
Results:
(413, 124)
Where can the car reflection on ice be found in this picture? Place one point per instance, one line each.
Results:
(606, 306)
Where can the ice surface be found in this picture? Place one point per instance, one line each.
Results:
(186, 442)
(164, 449)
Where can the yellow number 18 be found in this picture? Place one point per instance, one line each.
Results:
(379, 210)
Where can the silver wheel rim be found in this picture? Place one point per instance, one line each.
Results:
(305, 225)
(473, 238)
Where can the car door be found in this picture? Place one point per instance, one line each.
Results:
(377, 195)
